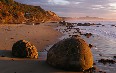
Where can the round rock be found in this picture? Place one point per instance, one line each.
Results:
(24, 49)
(71, 54)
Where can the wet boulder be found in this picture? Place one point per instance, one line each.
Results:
(71, 54)
(24, 49)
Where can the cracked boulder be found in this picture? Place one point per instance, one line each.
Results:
(24, 49)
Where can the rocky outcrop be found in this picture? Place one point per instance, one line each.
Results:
(71, 54)
(14, 12)
(24, 49)
(53, 16)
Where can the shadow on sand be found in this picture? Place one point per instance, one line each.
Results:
(6, 53)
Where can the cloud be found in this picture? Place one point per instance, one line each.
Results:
(58, 2)
(99, 8)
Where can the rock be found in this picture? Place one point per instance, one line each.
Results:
(63, 22)
(24, 49)
(85, 24)
(88, 35)
(90, 45)
(103, 25)
(100, 54)
(75, 36)
(91, 70)
(112, 25)
(105, 61)
(11, 38)
(70, 54)
(114, 56)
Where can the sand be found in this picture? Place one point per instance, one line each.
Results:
(41, 36)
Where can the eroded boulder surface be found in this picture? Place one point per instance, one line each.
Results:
(24, 49)
(71, 54)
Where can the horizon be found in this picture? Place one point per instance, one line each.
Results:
(81, 8)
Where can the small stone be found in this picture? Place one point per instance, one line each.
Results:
(114, 56)
(90, 45)
(88, 35)
(11, 38)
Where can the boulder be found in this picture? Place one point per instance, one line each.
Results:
(24, 49)
(71, 54)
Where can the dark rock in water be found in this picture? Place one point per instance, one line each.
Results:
(71, 54)
(88, 35)
(97, 26)
(112, 25)
(105, 61)
(91, 70)
(62, 22)
(85, 24)
(114, 56)
(24, 49)
(67, 24)
(90, 45)
(75, 36)
(100, 54)
(103, 25)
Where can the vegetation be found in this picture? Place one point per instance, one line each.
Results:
(14, 12)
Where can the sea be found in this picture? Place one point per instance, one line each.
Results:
(103, 40)
(107, 31)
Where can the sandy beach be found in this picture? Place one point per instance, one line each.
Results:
(41, 36)
(57, 36)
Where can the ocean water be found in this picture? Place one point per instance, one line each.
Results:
(106, 32)
(103, 40)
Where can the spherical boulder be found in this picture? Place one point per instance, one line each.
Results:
(24, 49)
(71, 54)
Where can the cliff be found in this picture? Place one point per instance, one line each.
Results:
(14, 12)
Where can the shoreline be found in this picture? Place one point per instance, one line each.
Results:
(59, 34)
(10, 64)
(99, 46)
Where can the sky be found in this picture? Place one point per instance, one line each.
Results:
(77, 8)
